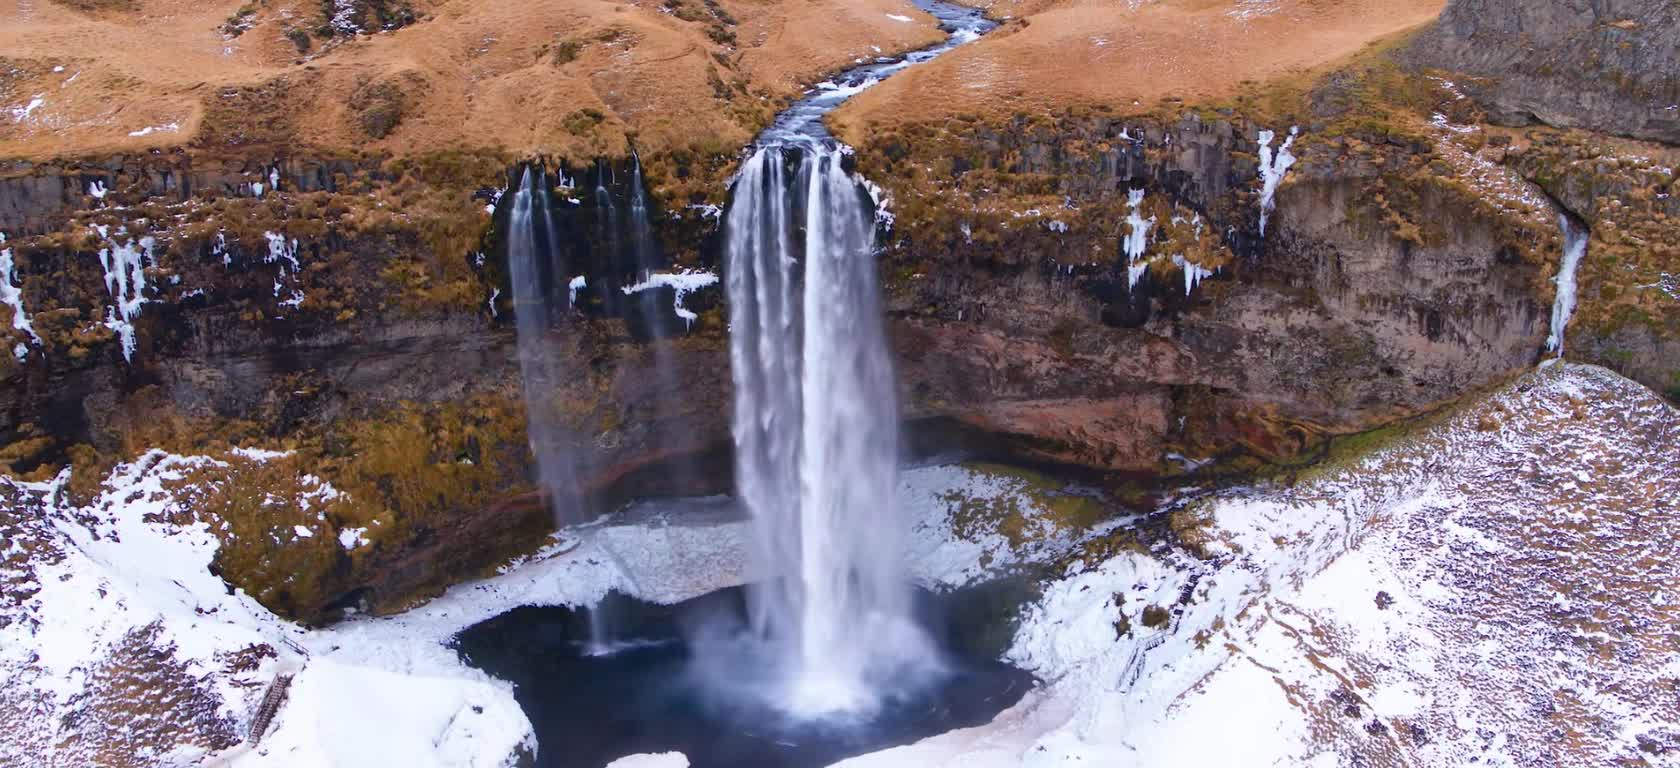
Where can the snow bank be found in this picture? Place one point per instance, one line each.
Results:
(1421, 604)
(974, 523)
(421, 721)
(661, 760)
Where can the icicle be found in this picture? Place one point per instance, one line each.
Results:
(1137, 238)
(125, 280)
(681, 283)
(1272, 168)
(1193, 273)
(12, 295)
(577, 284)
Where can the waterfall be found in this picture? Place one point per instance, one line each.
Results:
(607, 237)
(642, 247)
(530, 253)
(1574, 248)
(815, 427)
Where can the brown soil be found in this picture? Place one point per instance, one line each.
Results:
(567, 77)
(1053, 54)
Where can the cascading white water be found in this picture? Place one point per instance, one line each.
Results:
(815, 428)
(530, 238)
(1574, 247)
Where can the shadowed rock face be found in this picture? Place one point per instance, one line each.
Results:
(1332, 323)
(1609, 65)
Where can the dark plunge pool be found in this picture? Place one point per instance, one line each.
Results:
(589, 710)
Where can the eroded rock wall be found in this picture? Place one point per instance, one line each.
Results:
(1379, 291)
(1609, 65)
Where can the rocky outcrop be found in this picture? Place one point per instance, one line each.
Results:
(1087, 288)
(1379, 291)
(355, 313)
(1607, 65)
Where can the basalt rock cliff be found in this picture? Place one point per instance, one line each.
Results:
(1091, 286)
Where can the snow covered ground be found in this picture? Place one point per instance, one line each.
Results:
(1498, 589)
(119, 646)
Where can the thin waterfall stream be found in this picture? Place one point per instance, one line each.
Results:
(531, 233)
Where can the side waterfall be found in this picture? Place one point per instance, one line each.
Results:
(530, 246)
(1574, 248)
(815, 427)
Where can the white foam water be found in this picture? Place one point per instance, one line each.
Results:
(815, 427)
(1574, 248)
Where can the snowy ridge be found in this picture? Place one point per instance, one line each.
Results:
(1454, 599)
(112, 604)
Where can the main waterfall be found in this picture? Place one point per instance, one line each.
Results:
(816, 411)
(815, 428)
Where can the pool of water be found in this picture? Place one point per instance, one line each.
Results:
(647, 693)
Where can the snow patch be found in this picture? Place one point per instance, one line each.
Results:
(19, 114)
(166, 127)
(11, 294)
(681, 283)
(352, 538)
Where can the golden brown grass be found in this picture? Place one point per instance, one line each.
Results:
(468, 73)
(1083, 53)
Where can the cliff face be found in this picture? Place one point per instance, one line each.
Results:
(358, 315)
(1607, 65)
(1091, 286)
(1605, 70)
(1376, 293)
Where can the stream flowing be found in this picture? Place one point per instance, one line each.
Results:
(816, 418)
